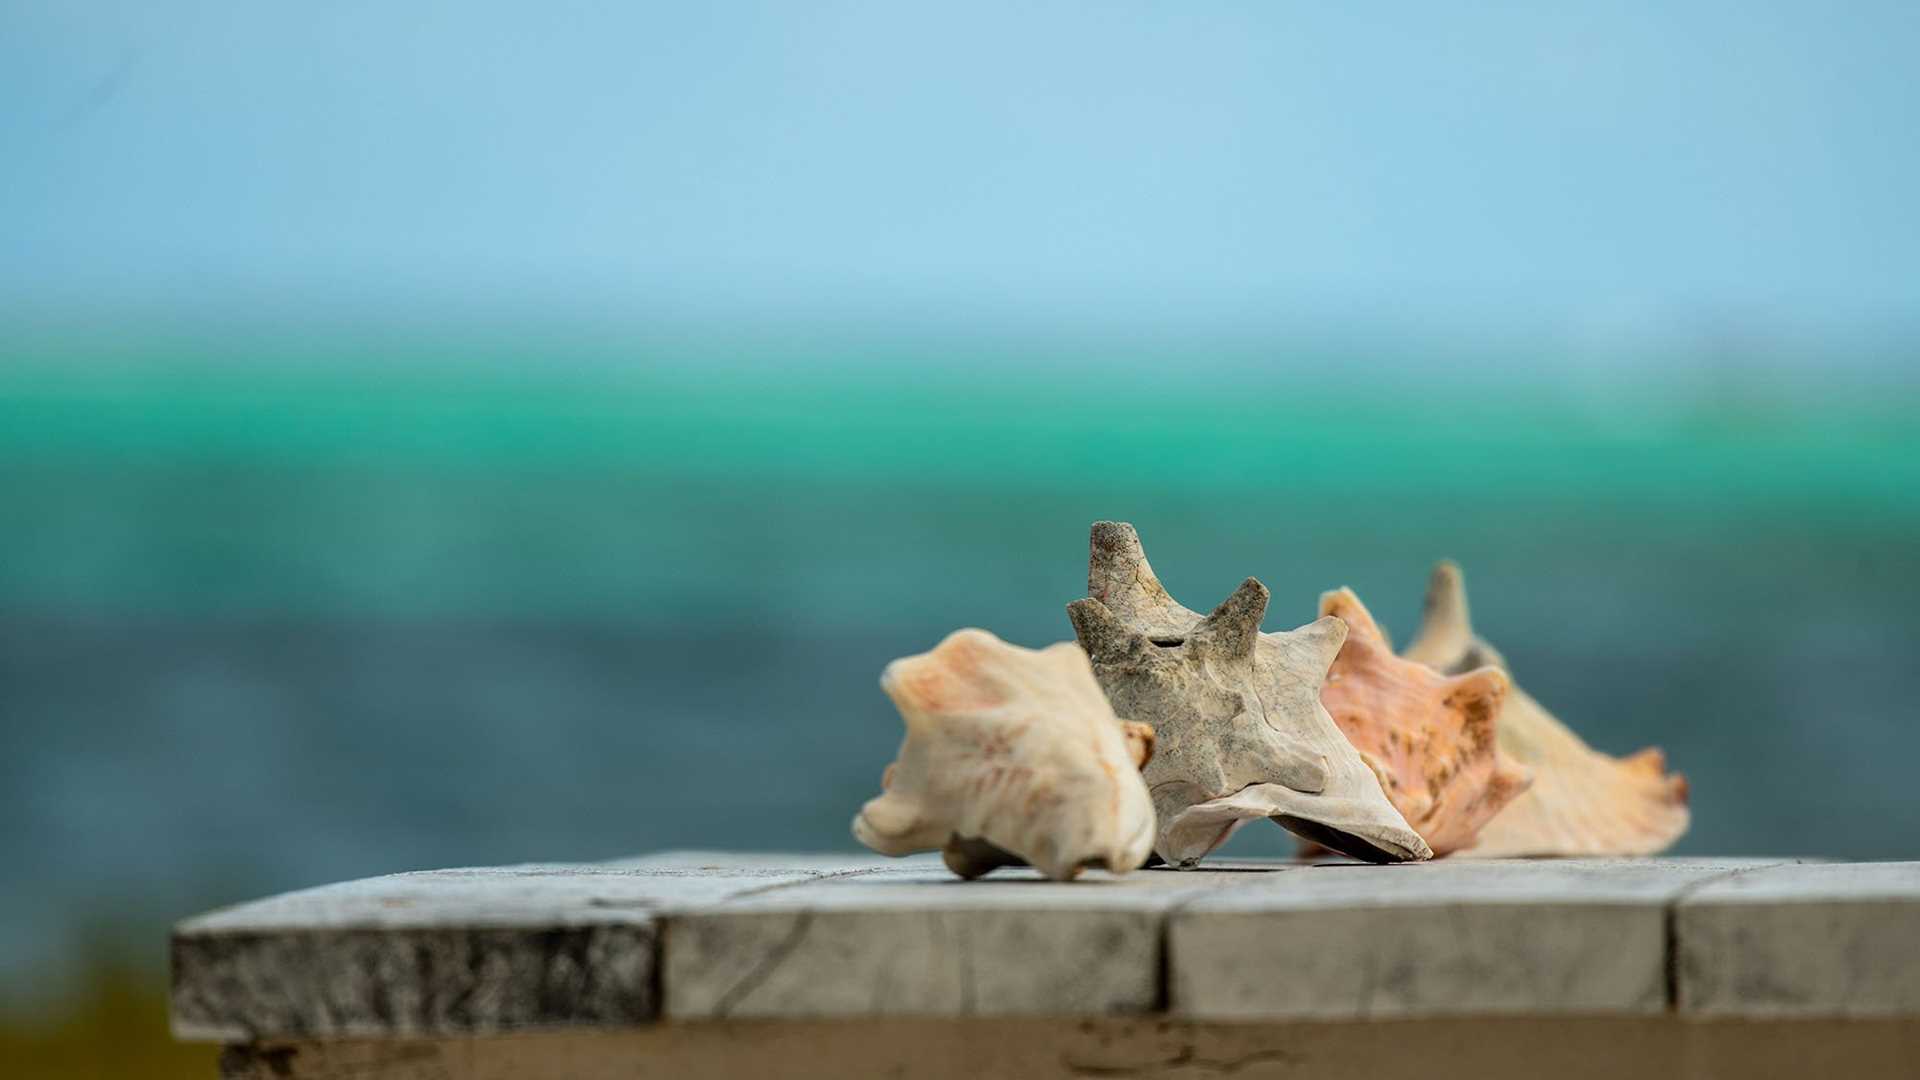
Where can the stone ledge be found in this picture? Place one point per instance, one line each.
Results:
(707, 937)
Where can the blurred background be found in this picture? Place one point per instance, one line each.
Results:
(441, 434)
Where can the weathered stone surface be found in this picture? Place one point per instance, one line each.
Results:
(701, 937)
(466, 950)
(1825, 940)
(916, 943)
(1343, 942)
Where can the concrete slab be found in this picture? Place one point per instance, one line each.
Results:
(1839, 940)
(455, 951)
(703, 936)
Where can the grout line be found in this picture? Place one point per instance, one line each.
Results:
(812, 876)
(1670, 921)
(1163, 973)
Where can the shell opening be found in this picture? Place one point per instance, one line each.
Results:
(1345, 843)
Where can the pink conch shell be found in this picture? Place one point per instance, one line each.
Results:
(1429, 736)
(1012, 755)
(1242, 733)
(1582, 802)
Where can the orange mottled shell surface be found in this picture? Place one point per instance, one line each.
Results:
(1429, 737)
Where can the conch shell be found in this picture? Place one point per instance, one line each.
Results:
(1242, 734)
(1582, 802)
(1429, 736)
(1012, 755)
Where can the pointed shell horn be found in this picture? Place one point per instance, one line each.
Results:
(1480, 693)
(1344, 605)
(1446, 627)
(1234, 626)
(1101, 632)
(1326, 635)
(1115, 559)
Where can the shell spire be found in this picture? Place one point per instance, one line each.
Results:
(1445, 640)
(1445, 625)
(1119, 576)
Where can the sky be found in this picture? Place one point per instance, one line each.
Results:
(1607, 168)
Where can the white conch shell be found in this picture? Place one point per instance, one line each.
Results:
(1583, 802)
(1011, 755)
(1242, 733)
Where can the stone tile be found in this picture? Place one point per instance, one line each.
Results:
(917, 942)
(1434, 939)
(1800, 941)
(453, 951)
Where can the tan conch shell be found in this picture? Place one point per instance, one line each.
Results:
(1242, 734)
(1012, 755)
(1429, 736)
(1583, 802)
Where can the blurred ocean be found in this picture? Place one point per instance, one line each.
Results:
(267, 622)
